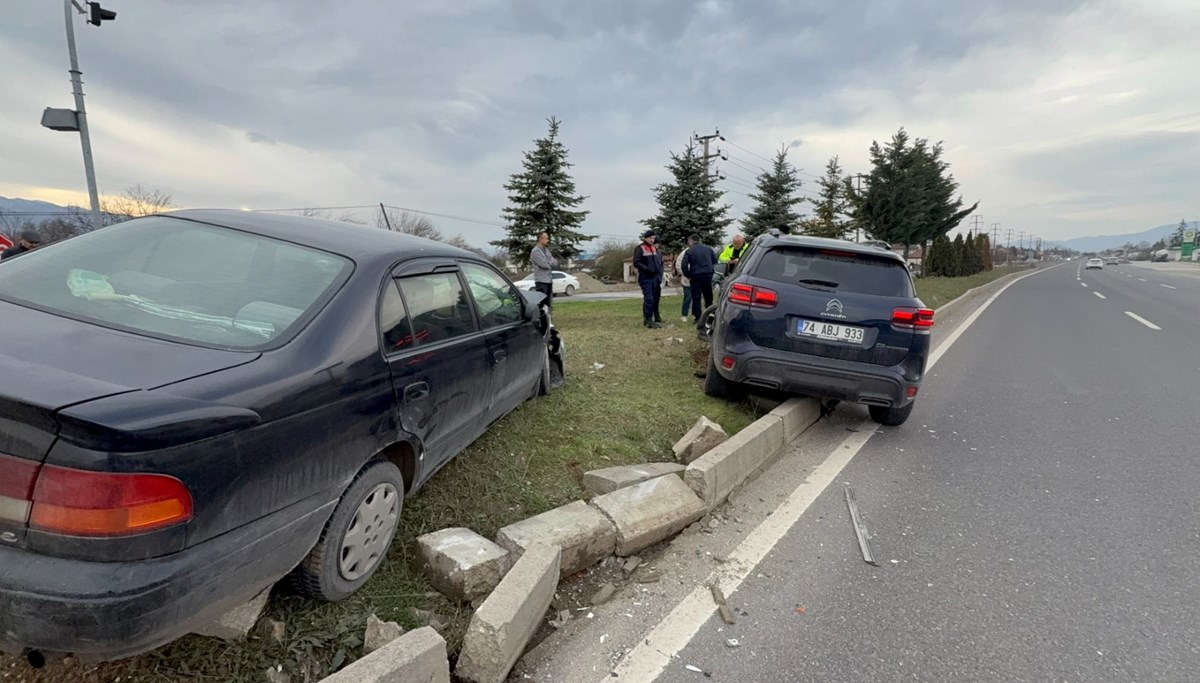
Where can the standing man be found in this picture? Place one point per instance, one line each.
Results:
(733, 253)
(543, 267)
(28, 240)
(698, 263)
(684, 284)
(649, 265)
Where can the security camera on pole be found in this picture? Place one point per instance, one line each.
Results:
(76, 119)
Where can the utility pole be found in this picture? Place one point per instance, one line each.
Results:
(975, 223)
(995, 241)
(858, 178)
(705, 140)
(76, 120)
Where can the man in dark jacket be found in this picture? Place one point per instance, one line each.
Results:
(649, 265)
(698, 264)
(28, 240)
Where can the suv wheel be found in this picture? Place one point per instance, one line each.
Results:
(706, 323)
(891, 417)
(717, 386)
(357, 536)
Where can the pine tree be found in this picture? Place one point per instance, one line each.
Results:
(542, 198)
(829, 215)
(972, 259)
(1177, 236)
(776, 197)
(689, 204)
(938, 261)
(958, 258)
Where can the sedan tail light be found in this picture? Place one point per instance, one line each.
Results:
(913, 318)
(758, 297)
(85, 503)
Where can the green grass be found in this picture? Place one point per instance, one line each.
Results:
(936, 291)
(631, 411)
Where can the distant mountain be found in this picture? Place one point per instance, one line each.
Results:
(33, 209)
(1103, 242)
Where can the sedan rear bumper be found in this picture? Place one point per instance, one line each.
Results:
(109, 610)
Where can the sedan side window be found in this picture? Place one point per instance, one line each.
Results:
(497, 301)
(393, 321)
(437, 306)
(558, 276)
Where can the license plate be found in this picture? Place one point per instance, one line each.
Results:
(830, 331)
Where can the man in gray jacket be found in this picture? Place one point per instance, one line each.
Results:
(543, 267)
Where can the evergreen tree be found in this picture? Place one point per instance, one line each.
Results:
(830, 217)
(939, 261)
(958, 257)
(985, 248)
(689, 204)
(972, 259)
(542, 198)
(776, 197)
(909, 194)
(1177, 236)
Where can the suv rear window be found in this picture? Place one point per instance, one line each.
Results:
(836, 271)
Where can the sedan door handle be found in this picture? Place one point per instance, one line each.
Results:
(416, 391)
(498, 357)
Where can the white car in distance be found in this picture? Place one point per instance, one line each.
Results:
(564, 283)
(1094, 263)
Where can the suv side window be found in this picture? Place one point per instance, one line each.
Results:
(437, 306)
(498, 302)
(393, 320)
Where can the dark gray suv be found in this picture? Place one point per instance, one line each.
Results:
(826, 318)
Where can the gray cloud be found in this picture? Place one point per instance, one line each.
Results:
(430, 105)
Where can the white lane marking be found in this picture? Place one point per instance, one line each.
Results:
(1142, 320)
(1128, 275)
(1100, 295)
(1141, 279)
(1167, 286)
(656, 650)
(1083, 283)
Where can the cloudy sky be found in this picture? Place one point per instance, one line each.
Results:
(1062, 117)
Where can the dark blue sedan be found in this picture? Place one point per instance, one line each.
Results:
(196, 405)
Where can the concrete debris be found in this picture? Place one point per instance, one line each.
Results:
(606, 591)
(460, 563)
(700, 439)
(563, 617)
(649, 577)
(275, 629)
(274, 675)
(237, 622)
(380, 633)
(631, 564)
(727, 615)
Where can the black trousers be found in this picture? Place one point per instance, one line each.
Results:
(651, 293)
(546, 288)
(701, 287)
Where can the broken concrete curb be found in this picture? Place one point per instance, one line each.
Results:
(609, 479)
(418, 655)
(583, 533)
(704, 436)
(461, 564)
(504, 623)
(798, 414)
(379, 633)
(717, 473)
(649, 512)
(237, 622)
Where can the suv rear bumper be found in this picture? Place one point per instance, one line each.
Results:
(109, 610)
(821, 377)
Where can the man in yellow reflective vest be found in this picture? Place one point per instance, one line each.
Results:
(733, 252)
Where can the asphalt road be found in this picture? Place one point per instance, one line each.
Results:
(1036, 520)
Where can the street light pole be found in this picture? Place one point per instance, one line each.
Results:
(81, 113)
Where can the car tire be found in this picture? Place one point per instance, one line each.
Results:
(544, 382)
(370, 510)
(706, 323)
(570, 290)
(891, 417)
(717, 386)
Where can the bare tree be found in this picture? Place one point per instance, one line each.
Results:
(408, 223)
(326, 214)
(462, 243)
(134, 202)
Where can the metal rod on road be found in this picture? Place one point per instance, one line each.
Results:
(860, 530)
(81, 115)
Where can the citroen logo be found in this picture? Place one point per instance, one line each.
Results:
(834, 306)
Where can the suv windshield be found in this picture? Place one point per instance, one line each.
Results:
(177, 279)
(836, 271)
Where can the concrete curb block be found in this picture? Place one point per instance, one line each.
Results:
(583, 534)
(418, 655)
(714, 475)
(461, 564)
(504, 623)
(649, 512)
(609, 479)
(945, 308)
(797, 414)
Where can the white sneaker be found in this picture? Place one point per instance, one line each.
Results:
(683, 318)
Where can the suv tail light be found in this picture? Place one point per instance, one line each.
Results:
(759, 297)
(85, 503)
(913, 318)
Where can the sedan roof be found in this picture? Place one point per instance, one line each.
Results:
(357, 242)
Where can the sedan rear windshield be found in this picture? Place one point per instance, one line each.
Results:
(177, 279)
(836, 271)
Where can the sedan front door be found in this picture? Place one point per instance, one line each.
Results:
(517, 348)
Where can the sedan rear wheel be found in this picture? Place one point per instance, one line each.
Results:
(570, 290)
(357, 536)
